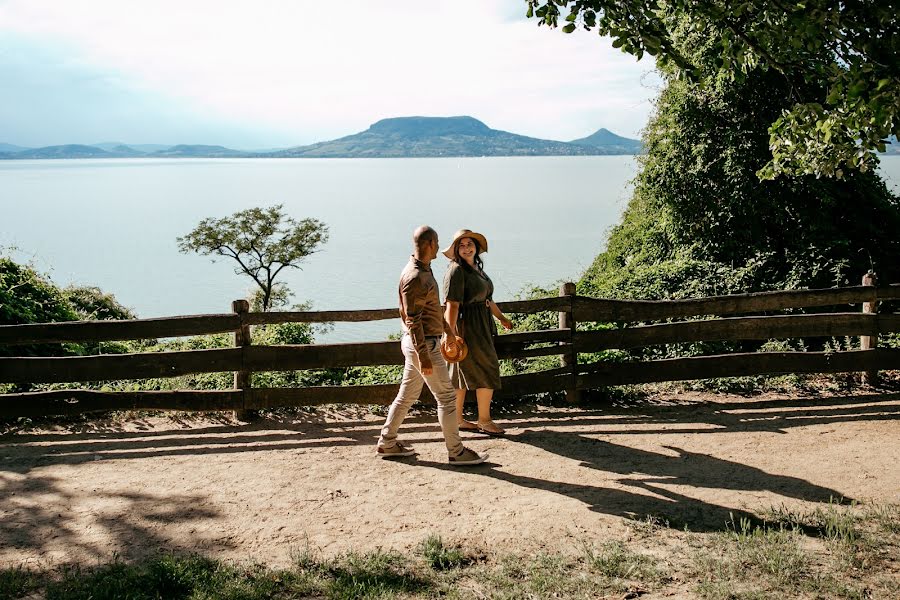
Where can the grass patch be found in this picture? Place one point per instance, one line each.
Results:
(829, 551)
(751, 562)
(856, 535)
(616, 562)
(174, 577)
(440, 557)
(649, 526)
(17, 582)
(374, 575)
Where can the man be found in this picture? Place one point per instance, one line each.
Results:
(423, 320)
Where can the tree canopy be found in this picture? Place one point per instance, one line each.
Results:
(840, 61)
(700, 222)
(27, 296)
(263, 242)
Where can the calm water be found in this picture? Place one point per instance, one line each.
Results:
(113, 223)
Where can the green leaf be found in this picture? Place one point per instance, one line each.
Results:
(569, 28)
(651, 42)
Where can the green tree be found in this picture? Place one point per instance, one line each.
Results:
(263, 242)
(27, 296)
(93, 304)
(700, 222)
(839, 61)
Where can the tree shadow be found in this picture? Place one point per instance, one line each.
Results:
(41, 518)
(21, 452)
(643, 482)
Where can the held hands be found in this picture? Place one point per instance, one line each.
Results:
(507, 324)
(452, 338)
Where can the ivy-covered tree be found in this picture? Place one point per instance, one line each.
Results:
(93, 304)
(27, 296)
(263, 242)
(701, 222)
(848, 50)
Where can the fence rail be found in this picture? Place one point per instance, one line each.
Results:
(624, 317)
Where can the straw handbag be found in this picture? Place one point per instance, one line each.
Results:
(454, 351)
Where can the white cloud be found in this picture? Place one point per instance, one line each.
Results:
(287, 65)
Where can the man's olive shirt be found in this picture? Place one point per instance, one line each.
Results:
(420, 307)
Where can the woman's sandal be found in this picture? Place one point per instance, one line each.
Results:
(494, 433)
(469, 426)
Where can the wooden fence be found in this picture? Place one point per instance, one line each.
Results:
(637, 324)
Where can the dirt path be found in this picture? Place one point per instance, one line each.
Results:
(258, 492)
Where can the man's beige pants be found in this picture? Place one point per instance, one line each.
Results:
(410, 388)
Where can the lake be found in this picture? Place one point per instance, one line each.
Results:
(113, 223)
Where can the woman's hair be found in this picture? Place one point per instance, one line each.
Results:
(478, 262)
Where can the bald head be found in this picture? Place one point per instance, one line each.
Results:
(423, 238)
(424, 235)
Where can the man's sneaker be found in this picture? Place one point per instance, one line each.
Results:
(468, 457)
(395, 451)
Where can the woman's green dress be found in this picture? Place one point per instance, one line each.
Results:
(473, 290)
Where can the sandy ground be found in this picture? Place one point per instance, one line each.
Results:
(259, 492)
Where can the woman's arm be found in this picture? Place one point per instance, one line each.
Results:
(451, 312)
(495, 310)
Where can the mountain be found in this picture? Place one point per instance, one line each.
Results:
(436, 136)
(12, 148)
(606, 139)
(142, 148)
(199, 151)
(64, 151)
(388, 138)
(74, 151)
(123, 151)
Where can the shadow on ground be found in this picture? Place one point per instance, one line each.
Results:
(561, 432)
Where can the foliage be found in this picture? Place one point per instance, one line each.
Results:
(701, 223)
(279, 297)
(839, 61)
(93, 304)
(29, 297)
(263, 242)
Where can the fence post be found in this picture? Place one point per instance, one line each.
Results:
(570, 358)
(867, 342)
(242, 378)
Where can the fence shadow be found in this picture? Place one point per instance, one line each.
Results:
(24, 451)
(664, 481)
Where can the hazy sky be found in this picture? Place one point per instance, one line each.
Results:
(273, 73)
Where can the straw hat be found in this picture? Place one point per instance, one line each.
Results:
(454, 351)
(465, 233)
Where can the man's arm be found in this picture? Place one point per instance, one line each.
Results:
(412, 299)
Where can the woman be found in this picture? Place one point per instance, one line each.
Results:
(468, 292)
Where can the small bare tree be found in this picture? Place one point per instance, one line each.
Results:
(263, 241)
